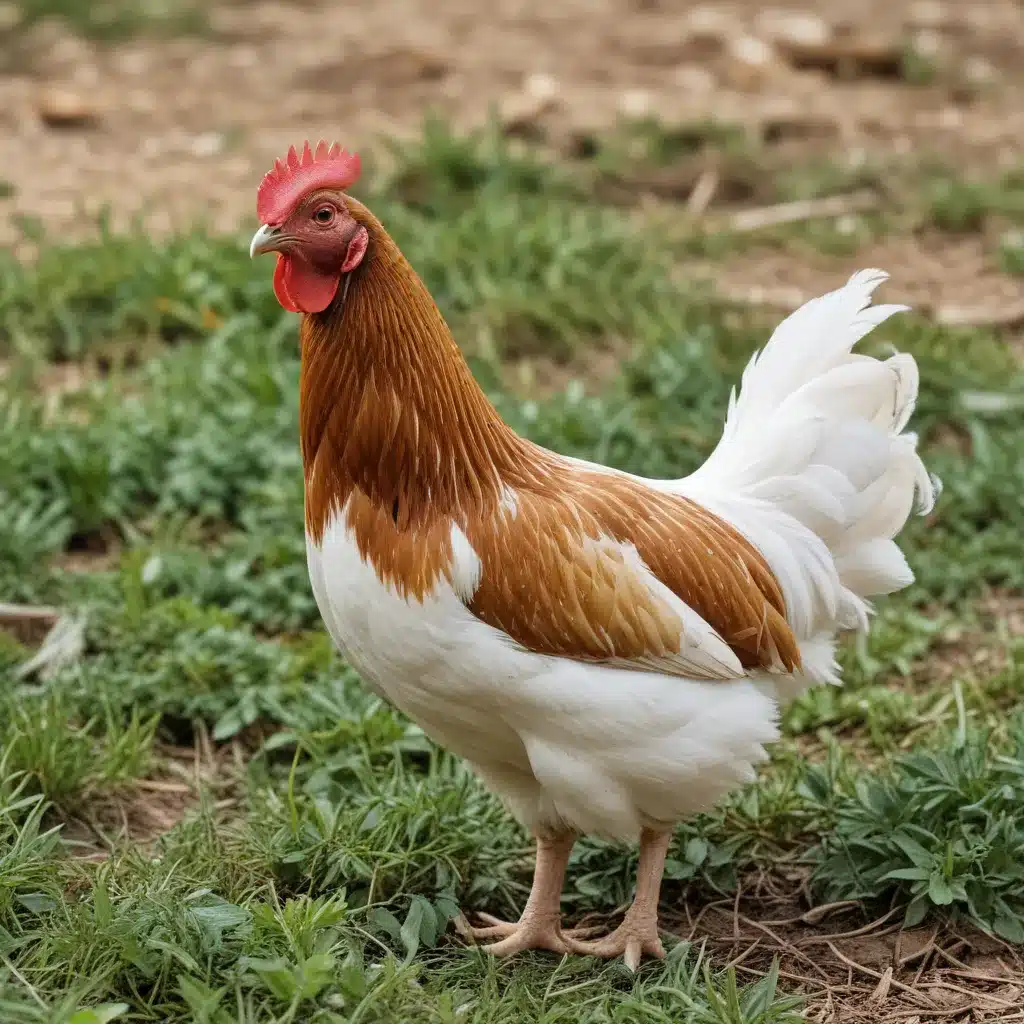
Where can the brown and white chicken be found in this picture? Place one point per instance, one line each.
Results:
(608, 652)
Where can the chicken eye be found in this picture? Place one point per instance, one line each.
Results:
(324, 215)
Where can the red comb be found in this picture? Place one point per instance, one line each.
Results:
(290, 179)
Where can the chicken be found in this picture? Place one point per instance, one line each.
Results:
(608, 652)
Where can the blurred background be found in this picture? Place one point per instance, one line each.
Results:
(204, 815)
(171, 110)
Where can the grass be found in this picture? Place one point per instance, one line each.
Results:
(962, 205)
(325, 845)
(111, 19)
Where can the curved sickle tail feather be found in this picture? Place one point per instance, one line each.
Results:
(815, 468)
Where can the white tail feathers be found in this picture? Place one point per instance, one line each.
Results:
(814, 467)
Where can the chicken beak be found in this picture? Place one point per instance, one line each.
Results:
(265, 240)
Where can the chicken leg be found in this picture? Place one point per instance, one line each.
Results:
(638, 933)
(540, 925)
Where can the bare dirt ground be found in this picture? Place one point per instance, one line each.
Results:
(173, 129)
(861, 973)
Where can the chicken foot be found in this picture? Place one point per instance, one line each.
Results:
(638, 933)
(540, 925)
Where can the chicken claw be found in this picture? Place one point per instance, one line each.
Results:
(637, 935)
(531, 931)
(494, 928)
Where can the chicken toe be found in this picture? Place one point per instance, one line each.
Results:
(635, 937)
(529, 933)
(494, 928)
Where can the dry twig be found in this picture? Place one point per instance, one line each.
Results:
(21, 614)
(856, 932)
(703, 192)
(1011, 315)
(761, 217)
(854, 966)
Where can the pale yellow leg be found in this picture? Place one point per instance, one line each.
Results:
(638, 933)
(540, 926)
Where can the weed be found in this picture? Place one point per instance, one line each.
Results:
(941, 830)
(115, 19)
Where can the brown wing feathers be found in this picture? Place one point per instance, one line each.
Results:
(555, 577)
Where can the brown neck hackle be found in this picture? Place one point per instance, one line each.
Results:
(388, 406)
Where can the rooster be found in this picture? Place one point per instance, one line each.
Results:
(608, 652)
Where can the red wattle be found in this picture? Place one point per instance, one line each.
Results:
(281, 276)
(300, 288)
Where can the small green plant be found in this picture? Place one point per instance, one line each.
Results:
(957, 205)
(1011, 252)
(941, 830)
(917, 67)
(962, 205)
